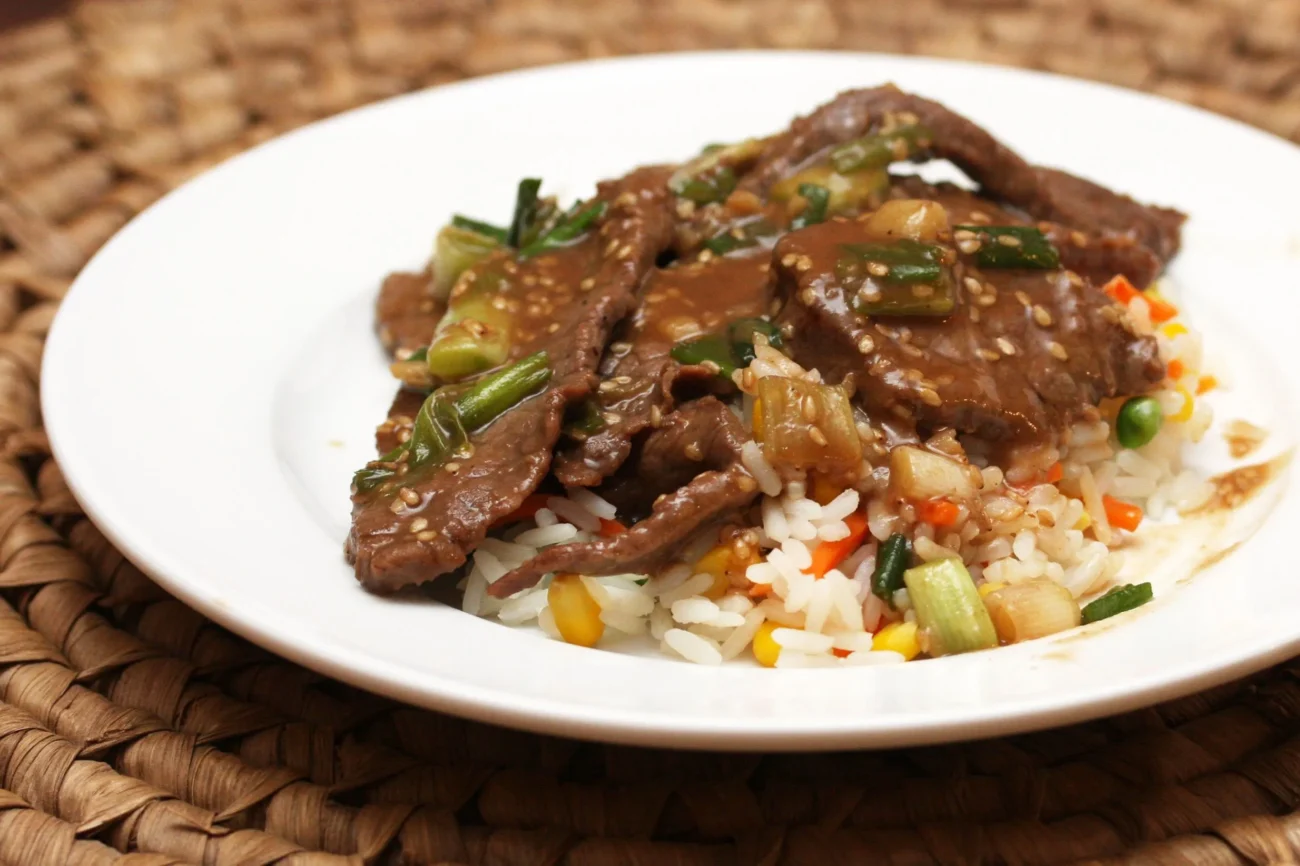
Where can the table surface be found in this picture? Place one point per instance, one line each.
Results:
(130, 724)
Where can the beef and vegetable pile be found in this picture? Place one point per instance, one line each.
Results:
(789, 397)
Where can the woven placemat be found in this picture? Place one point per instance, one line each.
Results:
(130, 724)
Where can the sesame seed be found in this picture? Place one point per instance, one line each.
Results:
(878, 269)
(911, 351)
(409, 496)
(929, 396)
(886, 331)
(611, 246)
(748, 379)
(1078, 238)
(866, 345)
(627, 199)
(988, 354)
(611, 417)
(968, 246)
(685, 208)
(972, 285)
(397, 506)
(711, 366)
(807, 296)
(452, 467)
(1009, 240)
(803, 264)
(498, 303)
(656, 416)
(914, 376)
(817, 436)
(620, 348)
(922, 290)
(964, 235)
(1042, 317)
(746, 485)
(1058, 351)
(986, 300)
(974, 314)
(1075, 279)
(1023, 298)
(427, 535)
(404, 436)
(788, 260)
(869, 294)
(552, 327)
(419, 524)
(1007, 347)
(693, 451)
(808, 407)
(625, 251)
(606, 386)
(588, 284)
(978, 216)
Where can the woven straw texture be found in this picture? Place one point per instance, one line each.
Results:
(131, 730)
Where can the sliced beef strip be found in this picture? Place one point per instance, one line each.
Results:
(588, 286)
(693, 459)
(406, 312)
(638, 372)
(1099, 258)
(1027, 354)
(1044, 193)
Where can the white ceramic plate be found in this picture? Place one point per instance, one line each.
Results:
(212, 381)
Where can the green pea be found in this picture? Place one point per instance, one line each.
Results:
(1138, 422)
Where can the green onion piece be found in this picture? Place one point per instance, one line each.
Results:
(819, 199)
(525, 210)
(1118, 600)
(949, 608)
(375, 473)
(742, 333)
(891, 561)
(739, 237)
(1023, 247)
(807, 425)
(709, 349)
(587, 421)
(706, 187)
(915, 282)
(438, 432)
(881, 149)
(569, 229)
(456, 250)
(1138, 421)
(466, 347)
(497, 233)
(908, 261)
(420, 354)
(492, 396)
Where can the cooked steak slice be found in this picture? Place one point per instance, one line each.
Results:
(1096, 257)
(1023, 352)
(586, 287)
(638, 372)
(406, 313)
(1044, 193)
(693, 459)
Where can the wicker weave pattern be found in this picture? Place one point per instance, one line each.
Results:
(130, 724)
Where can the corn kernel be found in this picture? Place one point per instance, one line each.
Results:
(899, 637)
(765, 648)
(824, 490)
(986, 589)
(1173, 329)
(1084, 521)
(576, 614)
(716, 563)
(1189, 406)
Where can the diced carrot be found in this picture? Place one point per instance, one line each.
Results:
(840, 653)
(1206, 383)
(1176, 369)
(1122, 515)
(760, 590)
(1120, 289)
(610, 528)
(938, 512)
(533, 503)
(831, 553)
(1055, 473)
(1160, 309)
(744, 203)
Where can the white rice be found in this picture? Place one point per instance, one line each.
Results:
(1008, 533)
